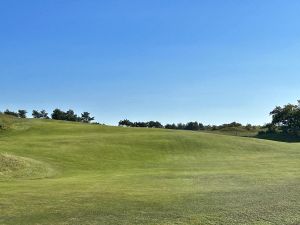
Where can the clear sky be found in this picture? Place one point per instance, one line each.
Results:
(213, 61)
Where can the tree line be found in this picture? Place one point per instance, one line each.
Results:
(195, 126)
(285, 119)
(150, 124)
(57, 114)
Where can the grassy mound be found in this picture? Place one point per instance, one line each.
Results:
(8, 122)
(127, 176)
(20, 167)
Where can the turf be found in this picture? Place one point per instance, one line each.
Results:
(92, 174)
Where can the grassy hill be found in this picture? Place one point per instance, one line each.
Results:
(55, 172)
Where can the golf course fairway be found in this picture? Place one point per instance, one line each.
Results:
(56, 172)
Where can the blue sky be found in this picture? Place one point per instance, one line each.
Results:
(172, 61)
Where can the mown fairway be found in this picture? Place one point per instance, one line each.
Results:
(71, 173)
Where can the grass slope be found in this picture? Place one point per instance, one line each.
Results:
(20, 167)
(111, 175)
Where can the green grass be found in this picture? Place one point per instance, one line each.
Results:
(20, 167)
(91, 174)
(237, 131)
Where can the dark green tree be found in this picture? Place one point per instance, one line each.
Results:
(58, 114)
(40, 115)
(36, 114)
(71, 116)
(22, 113)
(85, 117)
(44, 114)
(154, 124)
(181, 126)
(126, 123)
(171, 126)
(287, 118)
(192, 126)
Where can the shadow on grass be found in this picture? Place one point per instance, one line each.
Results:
(281, 137)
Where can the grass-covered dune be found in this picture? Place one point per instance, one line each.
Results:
(55, 172)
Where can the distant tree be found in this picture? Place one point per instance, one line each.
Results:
(201, 126)
(22, 113)
(171, 126)
(44, 114)
(207, 127)
(248, 126)
(85, 117)
(181, 126)
(193, 126)
(11, 113)
(235, 124)
(154, 124)
(36, 114)
(158, 125)
(214, 127)
(58, 114)
(40, 115)
(140, 124)
(230, 125)
(126, 123)
(71, 116)
(150, 124)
